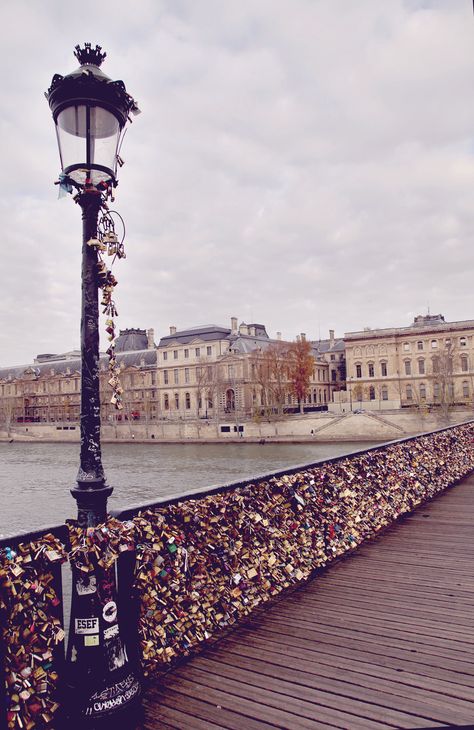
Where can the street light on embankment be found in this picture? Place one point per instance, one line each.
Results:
(90, 112)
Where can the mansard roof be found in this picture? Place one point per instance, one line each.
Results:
(131, 339)
(72, 366)
(325, 346)
(206, 333)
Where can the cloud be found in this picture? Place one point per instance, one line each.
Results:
(304, 164)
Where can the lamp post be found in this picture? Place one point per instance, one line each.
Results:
(90, 112)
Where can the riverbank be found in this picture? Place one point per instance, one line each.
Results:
(319, 428)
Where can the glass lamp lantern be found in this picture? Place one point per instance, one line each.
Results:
(90, 111)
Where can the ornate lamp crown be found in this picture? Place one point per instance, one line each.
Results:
(89, 55)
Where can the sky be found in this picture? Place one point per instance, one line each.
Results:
(305, 164)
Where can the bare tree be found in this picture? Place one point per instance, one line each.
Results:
(441, 379)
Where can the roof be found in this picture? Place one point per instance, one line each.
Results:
(207, 333)
(135, 358)
(324, 346)
(131, 339)
(418, 327)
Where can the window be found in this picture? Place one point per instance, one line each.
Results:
(419, 345)
(447, 342)
(230, 371)
(165, 356)
(407, 367)
(333, 357)
(384, 392)
(371, 393)
(176, 376)
(165, 377)
(198, 373)
(166, 402)
(436, 391)
(371, 369)
(465, 389)
(383, 369)
(409, 392)
(421, 367)
(434, 344)
(358, 371)
(209, 400)
(175, 354)
(462, 342)
(186, 354)
(406, 347)
(197, 352)
(333, 376)
(188, 401)
(209, 372)
(436, 364)
(451, 391)
(176, 401)
(153, 378)
(186, 375)
(464, 364)
(208, 350)
(422, 391)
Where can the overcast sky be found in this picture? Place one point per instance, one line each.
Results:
(306, 164)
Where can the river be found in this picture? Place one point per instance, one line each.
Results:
(35, 478)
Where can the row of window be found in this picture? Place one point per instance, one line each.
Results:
(437, 391)
(421, 367)
(198, 352)
(419, 346)
(371, 370)
(448, 342)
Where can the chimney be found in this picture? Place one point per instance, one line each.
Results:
(172, 330)
(151, 339)
(303, 336)
(233, 325)
(243, 329)
(278, 335)
(331, 338)
(252, 331)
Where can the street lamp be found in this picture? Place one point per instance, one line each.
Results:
(90, 112)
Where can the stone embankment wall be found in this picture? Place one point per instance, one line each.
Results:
(204, 563)
(315, 427)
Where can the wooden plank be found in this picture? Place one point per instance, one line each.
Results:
(350, 692)
(403, 684)
(382, 639)
(334, 650)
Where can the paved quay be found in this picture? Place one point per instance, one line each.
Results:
(382, 639)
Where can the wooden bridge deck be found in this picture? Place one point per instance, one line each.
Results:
(383, 639)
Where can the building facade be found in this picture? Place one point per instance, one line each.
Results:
(209, 372)
(429, 363)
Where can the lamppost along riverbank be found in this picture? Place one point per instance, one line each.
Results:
(90, 112)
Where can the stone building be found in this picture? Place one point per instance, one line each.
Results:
(207, 372)
(428, 363)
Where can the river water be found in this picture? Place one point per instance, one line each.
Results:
(35, 478)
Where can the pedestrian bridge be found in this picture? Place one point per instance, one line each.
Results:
(330, 595)
(381, 639)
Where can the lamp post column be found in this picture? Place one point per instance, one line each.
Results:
(91, 493)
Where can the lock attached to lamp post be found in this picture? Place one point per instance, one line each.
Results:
(90, 112)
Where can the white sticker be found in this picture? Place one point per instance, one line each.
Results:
(92, 640)
(109, 612)
(87, 625)
(111, 631)
(86, 585)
